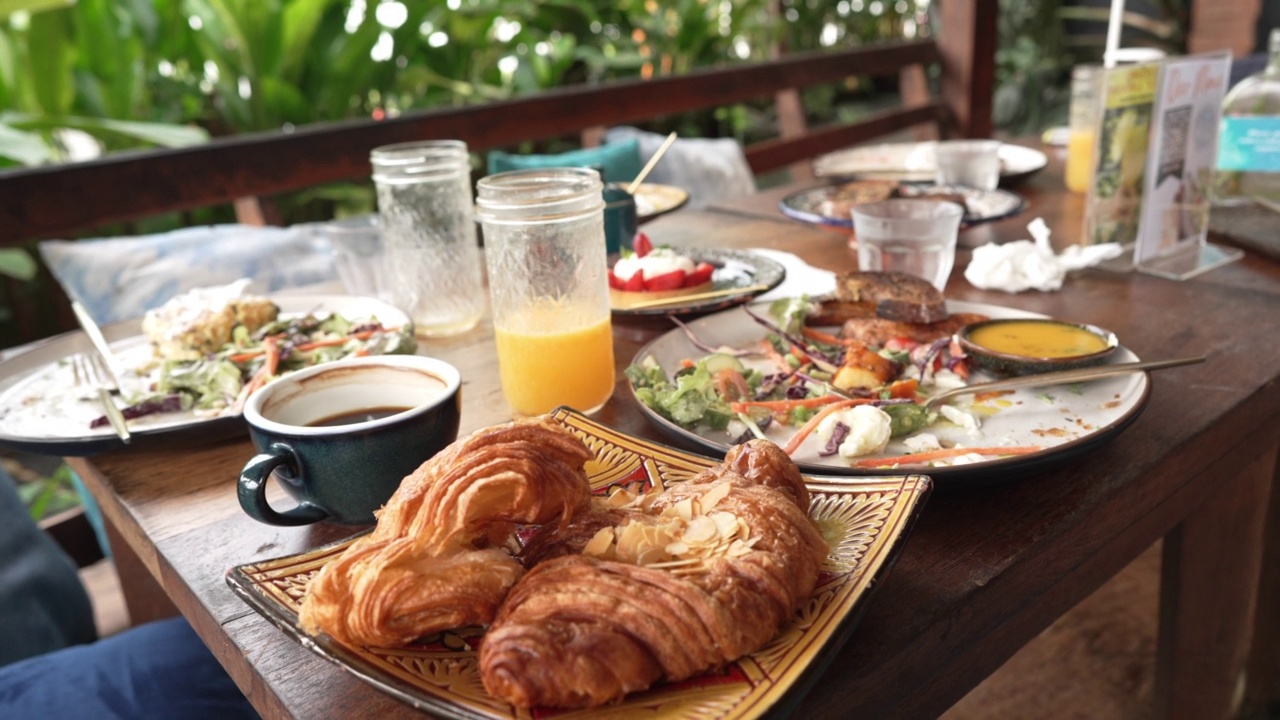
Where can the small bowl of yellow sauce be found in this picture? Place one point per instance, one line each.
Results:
(1025, 346)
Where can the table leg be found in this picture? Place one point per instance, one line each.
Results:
(1263, 679)
(143, 597)
(1209, 581)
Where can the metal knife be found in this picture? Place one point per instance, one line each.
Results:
(111, 365)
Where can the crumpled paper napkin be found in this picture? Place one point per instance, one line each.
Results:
(1027, 265)
(802, 278)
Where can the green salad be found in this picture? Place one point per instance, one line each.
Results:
(219, 382)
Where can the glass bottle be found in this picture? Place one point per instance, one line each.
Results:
(1086, 94)
(1249, 141)
(433, 265)
(544, 245)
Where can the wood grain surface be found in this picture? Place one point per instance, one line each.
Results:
(986, 569)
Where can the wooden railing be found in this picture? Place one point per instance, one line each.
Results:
(47, 201)
(67, 200)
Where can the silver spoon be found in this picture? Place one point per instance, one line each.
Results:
(1060, 377)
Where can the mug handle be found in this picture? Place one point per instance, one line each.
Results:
(252, 490)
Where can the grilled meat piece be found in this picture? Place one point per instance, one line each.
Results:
(895, 295)
(877, 331)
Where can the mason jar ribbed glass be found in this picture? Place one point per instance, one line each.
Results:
(425, 206)
(544, 247)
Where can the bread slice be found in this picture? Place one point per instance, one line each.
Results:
(895, 296)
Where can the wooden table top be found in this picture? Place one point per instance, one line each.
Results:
(986, 568)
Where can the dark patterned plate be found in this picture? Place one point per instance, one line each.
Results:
(739, 276)
(980, 205)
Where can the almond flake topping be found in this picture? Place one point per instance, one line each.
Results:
(680, 539)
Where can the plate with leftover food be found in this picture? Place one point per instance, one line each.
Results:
(653, 200)
(833, 204)
(622, 577)
(667, 280)
(915, 162)
(187, 366)
(769, 370)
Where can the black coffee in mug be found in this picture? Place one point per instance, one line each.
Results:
(339, 437)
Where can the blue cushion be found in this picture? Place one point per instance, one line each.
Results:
(707, 168)
(618, 161)
(121, 278)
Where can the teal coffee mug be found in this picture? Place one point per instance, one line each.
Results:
(339, 437)
(620, 220)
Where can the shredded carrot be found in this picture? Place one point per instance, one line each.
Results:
(687, 363)
(819, 336)
(272, 349)
(772, 353)
(920, 457)
(794, 443)
(785, 404)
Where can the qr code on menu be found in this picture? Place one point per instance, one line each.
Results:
(1173, 141)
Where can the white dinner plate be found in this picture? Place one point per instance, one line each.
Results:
(43, 411)
(1062, 420)
(914, 162)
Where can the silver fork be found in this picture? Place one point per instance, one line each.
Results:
(87, 371)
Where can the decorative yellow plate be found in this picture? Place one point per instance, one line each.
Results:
(866, 520)
(653, 200)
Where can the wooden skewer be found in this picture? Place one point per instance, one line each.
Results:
(696, 296)
(644, 173)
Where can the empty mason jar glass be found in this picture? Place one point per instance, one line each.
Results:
(429, 234)
(544, 246)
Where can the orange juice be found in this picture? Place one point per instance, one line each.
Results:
(543, 367)
(1080, 161)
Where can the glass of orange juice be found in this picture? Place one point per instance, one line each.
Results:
(1085, 115)
(545, 252)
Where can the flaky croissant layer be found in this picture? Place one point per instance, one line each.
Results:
(434, 560)
(579, 631)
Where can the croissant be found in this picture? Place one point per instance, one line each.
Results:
(660, 587)
(435, 559)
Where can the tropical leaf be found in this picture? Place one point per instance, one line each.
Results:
(25, 148)
(161, 134)
(301, 20)
(52, 56)
(9, 7)
(17, 264)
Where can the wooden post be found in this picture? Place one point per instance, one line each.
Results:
(1210, 576)
(967, 42)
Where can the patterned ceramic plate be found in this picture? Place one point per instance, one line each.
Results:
(866, 520)
(980, 205)
(653, 200)
(739, 276)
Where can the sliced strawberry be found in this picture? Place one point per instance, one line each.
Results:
(701, 273)
(635, 283)
(641, 244)
(614, 282)
(673, 280)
